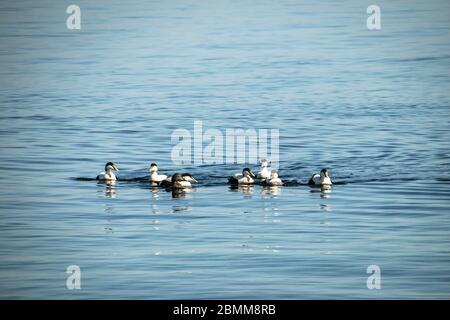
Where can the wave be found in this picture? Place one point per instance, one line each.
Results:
(212, 181)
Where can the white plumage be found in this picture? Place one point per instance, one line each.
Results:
(264, 173)
(154, 176)
(274, 180)
(108, 174)
(321, 178)
(244, 178)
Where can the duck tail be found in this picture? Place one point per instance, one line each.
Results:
(233, 180)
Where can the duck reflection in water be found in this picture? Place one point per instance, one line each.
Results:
(178, 193)
(273, 190)
(110, 189)
(181, 192)
(244, 189)
(324, 190)
(154, 190)
(176, 209)
(154, 185)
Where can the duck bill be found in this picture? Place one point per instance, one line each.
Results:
(115, 168)
(194, 180)
(252, 174)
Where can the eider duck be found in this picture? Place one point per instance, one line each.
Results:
(155, 177)
(320, 179)
(182, 181)
(178, 181)
(246, 177)
(274, 180)
(108, 174)
(265, 172)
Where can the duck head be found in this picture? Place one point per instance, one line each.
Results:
(110, 166)
(273, 174)
(188, 177)
(324, 173)
(177, 178)
(153, 168)
(264, 163)
(247, 172)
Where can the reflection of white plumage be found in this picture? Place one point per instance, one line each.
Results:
(155, 177)
(274, 180)
(246, 177)
(265, 172)
(271, 190)
(320, 179)
(108, 174)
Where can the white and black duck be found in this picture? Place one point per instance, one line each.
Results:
(154, 175)
(178, 181)
(320, 179)
(108, 174)
(273, 180)
(245, 178)
(264, 172)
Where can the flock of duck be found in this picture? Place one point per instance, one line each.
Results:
(266, 176)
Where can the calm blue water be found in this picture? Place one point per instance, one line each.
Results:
(372, 106)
